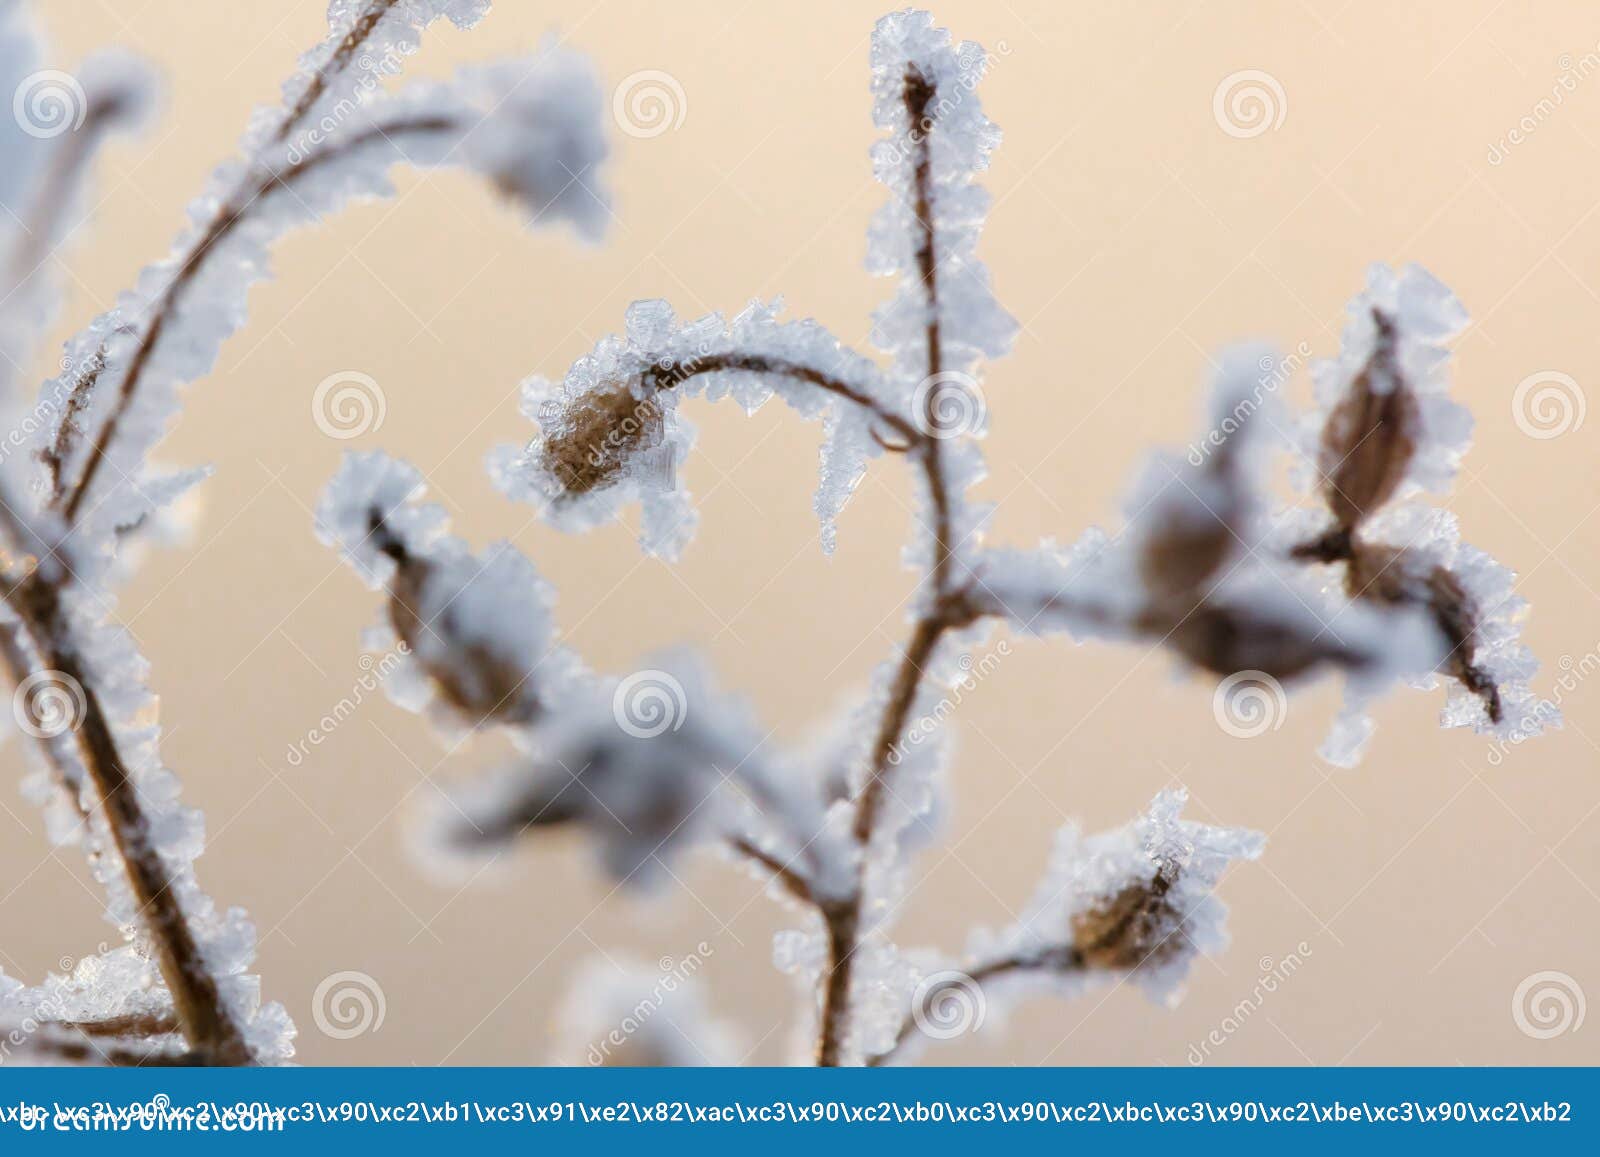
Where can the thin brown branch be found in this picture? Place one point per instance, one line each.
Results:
(1056, 961)
(46, 638)
(70, 501)
(133, 1025)
(949, 610)
(793, 881)
(63, 1045)
(336, 63)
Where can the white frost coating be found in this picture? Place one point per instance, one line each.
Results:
(532, 127)
(958, 140)
(1426, 316)
(661, 361)
(117, 983)
(479, 636)
(649, 764)
(622, 1012)
(1432, 538)
(1085, 872)
(226, 938)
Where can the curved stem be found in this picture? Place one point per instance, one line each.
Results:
(1053, 960)
(227, 218)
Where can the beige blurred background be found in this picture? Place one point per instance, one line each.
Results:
(1131, 237)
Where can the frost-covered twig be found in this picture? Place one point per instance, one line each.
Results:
(530, 127)
(1204, 566)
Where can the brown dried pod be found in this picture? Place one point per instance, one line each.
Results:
(467, 675)
(1137, 926)
(600, 432)
(1370, 436)
(1387, 574)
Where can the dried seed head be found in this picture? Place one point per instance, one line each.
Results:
(596, 436)
(1370, 435)
(468, 675)
(1137, 926)
(1388, 574)
(1179, 555)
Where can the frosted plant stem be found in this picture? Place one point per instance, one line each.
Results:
(207, 1024)
(1056, 961)
(949, 610)
(44, 643)
(70, 502)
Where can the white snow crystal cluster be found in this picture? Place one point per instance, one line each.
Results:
(1425, 315)
(1138, 901)
(531, 126)
(924, 98)
(611, 433)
